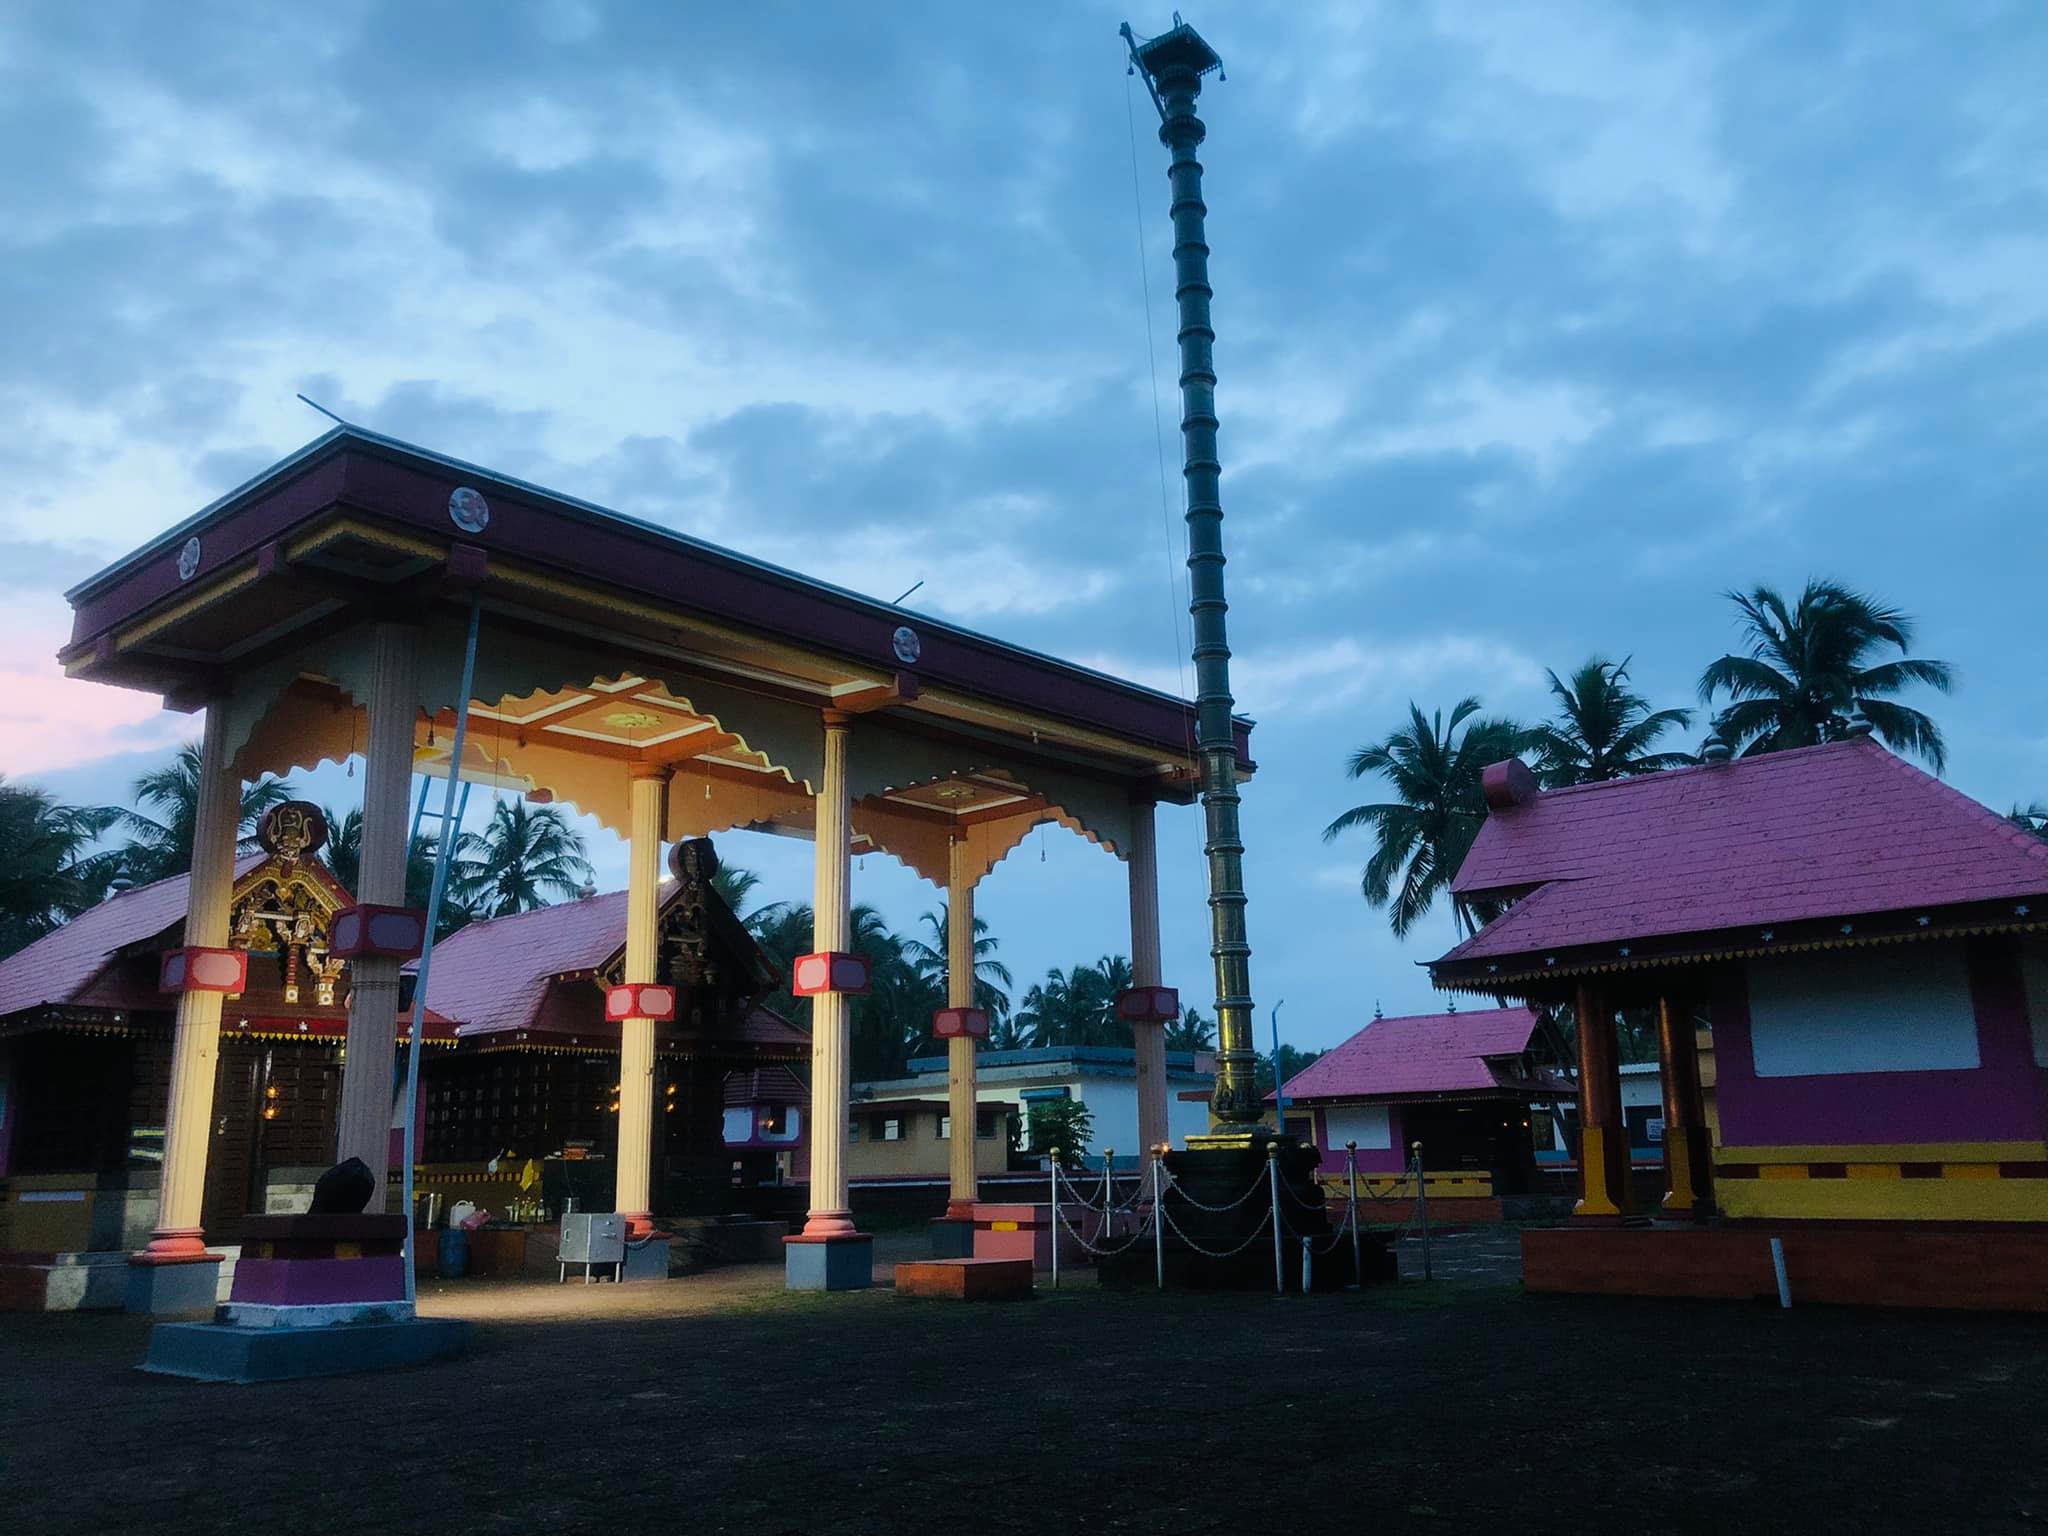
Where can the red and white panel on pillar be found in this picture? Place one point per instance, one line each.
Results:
(1148, 1005)
(195, 968)
(815, 975)
(391, 933)
(960, 1024)
(640, 1000)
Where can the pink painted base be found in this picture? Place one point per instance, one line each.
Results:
(319, 1282)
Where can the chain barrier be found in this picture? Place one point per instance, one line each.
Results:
(1343, 1230)
(1258, 1187)
(1210, 1253)
(1101, 1252)
(1155, 1217)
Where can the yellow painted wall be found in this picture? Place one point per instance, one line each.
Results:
(920, 1154)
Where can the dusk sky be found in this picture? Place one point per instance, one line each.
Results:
(1538, 327)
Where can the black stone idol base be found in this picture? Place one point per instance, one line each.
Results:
(1219, 1232)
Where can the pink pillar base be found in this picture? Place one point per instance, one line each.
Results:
(174, 1245)
(829, 1224)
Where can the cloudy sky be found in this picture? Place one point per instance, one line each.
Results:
(1538, 327)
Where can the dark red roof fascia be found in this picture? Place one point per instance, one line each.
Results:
(1504, 971)
(390, 483)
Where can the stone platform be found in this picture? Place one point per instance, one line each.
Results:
(226, 1352)
(966, 1279)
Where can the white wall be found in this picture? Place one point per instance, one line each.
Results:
(1367, 1124)
(1639, 1089)
(1891, 1008)
(2034, 965)
(1185, 1120)
(1113, 1101)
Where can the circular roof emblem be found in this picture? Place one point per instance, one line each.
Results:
(906, 645)
(188, 559)
(468, 510)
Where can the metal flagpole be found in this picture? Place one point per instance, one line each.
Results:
(1273, 1182)
(1351, 1167)
(419, 991)
(1053, 1225)
(1158, 1221)
(1172, 66)
(1279, 1087)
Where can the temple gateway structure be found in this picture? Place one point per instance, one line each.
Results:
(669, 688)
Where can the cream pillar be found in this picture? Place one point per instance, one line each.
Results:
(195, 1047)
(363, 1127)
(960, 1089)
(1148, 1036)
(831, 933)
(649, 815)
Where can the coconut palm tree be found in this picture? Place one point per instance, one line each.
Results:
(893, 1021)
(344, 855)
(2034, 818)
(1191, 1032)
(1811, 674)
(1424, 833)
(48, 871)
(526, 857)
(160, 845)
(1077, 1006)
(1603, 729)
(992, 980)
(1050, 1013)
(785, 933)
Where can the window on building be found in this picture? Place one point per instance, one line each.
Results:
(892, 1128)
(853, 1130)
(945, 1127)
(988, 1125)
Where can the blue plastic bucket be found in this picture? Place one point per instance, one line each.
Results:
(454, 1255)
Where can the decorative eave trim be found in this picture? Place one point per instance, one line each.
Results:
(1510, 974)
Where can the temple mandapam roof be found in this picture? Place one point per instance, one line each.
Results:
(1424, 1056)
(1844, 830)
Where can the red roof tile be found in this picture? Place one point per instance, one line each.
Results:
(497, 976)
(765, 1085)
(1841, 830)
(493, 975)
(1425, 1054)
(58, 966)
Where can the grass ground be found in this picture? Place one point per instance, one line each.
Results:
(722, 1404)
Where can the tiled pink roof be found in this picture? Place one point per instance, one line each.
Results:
(1426, 1054)
(57, 967)
(494, 975)
(1834, 831)
(765, 1085)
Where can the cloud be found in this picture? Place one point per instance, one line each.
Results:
(1326, 676)
(49, 722)
(1535, 331)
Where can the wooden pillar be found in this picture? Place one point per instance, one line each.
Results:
(195, 1047)
(830, 1044)
(648, 816)
(1148, 1036)
(960, 1086)
(363, 1121)
(1688, 1161)
(1603, 1135)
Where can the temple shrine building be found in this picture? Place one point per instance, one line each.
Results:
(1865, 949)
(1463, 1087)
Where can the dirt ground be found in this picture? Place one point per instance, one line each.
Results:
(721, 1404)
